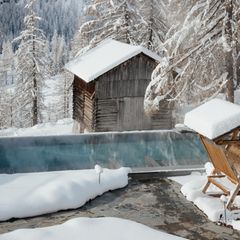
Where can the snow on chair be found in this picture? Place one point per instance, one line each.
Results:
(217, 122)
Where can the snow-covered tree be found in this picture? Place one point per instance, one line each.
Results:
(58, 53)
(65, 94)
(6, 107)
(154, 15)
(231, 43)
(60, 15)
(117, 19)
(7, 51)
(61, 105)
(201, 55)
(32, 68)
(7, 64)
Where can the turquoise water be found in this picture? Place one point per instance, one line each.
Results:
(131, 149)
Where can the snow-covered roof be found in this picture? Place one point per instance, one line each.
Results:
(214, 118)
(105, 56)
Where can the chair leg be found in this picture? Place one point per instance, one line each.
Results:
(206, 186)
(232, 196)
(208, 182)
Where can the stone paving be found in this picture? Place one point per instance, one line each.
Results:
(157, 203)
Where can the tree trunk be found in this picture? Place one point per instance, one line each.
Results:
(35, 105)
(35, 100)
(150, 39)
(126, 25)
(65, 99)
(229, 54)
(236, 38)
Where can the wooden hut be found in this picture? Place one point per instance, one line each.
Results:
(109, 86)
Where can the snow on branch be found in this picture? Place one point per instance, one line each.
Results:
(197, 55)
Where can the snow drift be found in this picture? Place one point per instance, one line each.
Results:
(31, 194)
(91, 229)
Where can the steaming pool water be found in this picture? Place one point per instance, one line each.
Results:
(130, 149)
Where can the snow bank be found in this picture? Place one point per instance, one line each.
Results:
(213, 118)
(91, 229)
(213, 207)
(61, 127)
(31, 194)
(185, 179)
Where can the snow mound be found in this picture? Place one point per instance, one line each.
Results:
(61, 127)
(214, 118)
(32, 194)
(212, 205)
(91, 229)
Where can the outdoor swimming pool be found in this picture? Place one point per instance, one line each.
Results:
(112, 150)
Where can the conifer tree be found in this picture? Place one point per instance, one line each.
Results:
(7, 63)
(152, 33)
(116, 19)
(58, 53)
(32, 68)
(201, 56)
(6, 108)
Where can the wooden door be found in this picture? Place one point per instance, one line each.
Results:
(131, 114)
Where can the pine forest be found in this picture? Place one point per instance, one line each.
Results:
(198, 42)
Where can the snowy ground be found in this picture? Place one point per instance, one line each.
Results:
(31, 194)
(53, 102)
(213, 207)
(91, 229)
(61, 127)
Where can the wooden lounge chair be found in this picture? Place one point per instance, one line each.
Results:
(224, 153)
(218, 124)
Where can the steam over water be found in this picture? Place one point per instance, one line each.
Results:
(112, 150)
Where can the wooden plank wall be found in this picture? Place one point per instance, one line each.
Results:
(163, 119)
(106, 115)
(119, 98)
(78, 99)
(84, 103)
(132, 115)
(130, 79)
